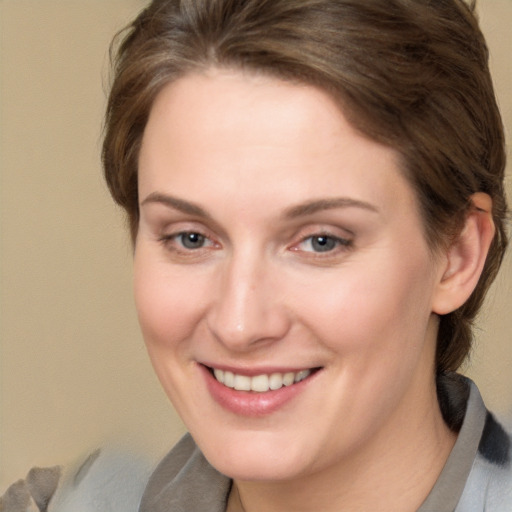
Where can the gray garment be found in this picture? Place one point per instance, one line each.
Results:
(108, 481)
(185, 482)
(477, 476)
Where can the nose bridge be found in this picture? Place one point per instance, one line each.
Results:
(246, 310)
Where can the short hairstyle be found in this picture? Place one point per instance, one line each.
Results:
(411, 74)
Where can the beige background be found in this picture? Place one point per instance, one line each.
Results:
(74, 374)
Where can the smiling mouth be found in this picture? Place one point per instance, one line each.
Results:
(260, 383)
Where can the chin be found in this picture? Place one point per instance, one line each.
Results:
(256, 468)
(255, 456)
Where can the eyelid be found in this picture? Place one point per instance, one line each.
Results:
(343, 242)
(321, 229)
(162, 219)
(169, 227)
(178, 234)
(169, 239)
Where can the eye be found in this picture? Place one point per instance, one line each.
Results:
(322, 243)
(186, 241)
(191, 240)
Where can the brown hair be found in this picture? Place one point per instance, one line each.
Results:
(411, 74)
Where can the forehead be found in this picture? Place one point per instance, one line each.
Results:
(243, 108)
(247, 135)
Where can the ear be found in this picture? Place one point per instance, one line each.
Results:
(465, 258)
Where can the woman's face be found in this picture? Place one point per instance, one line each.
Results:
(277, 245)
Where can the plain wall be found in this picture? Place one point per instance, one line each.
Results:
(74, 373)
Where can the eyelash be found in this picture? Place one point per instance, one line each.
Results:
(170, 241)
(176, 242)
(337, 244)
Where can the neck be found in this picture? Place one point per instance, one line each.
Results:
(394, 472)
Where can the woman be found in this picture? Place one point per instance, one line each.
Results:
(315, 195)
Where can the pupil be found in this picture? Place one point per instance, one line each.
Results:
(192, 240)
(323, 243)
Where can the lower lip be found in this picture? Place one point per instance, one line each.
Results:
(249, 403)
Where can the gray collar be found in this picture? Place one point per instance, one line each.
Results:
(448, 489)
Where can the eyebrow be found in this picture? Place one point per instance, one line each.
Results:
(300, 210)
(178, 204)
(311, 207)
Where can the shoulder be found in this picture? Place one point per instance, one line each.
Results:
(107, 480)
(32, 494)
(185, 481)
(489, 485)
(477, 475)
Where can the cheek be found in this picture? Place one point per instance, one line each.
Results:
(168, 304)
(358, 310)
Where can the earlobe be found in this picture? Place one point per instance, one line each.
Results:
(465, 258)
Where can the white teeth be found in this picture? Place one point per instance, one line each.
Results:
(288, 378)
(259, 383)
(242, 383)
(219, 375)
(301, 375)
(229, 379)
(275, 381)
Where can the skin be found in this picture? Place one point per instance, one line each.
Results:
(234, 158)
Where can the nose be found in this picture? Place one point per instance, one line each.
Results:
(247, 309)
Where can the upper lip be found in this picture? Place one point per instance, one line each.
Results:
(259, 370)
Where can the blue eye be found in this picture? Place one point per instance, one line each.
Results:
(191, 240)
(323, 243)
(188, 246)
